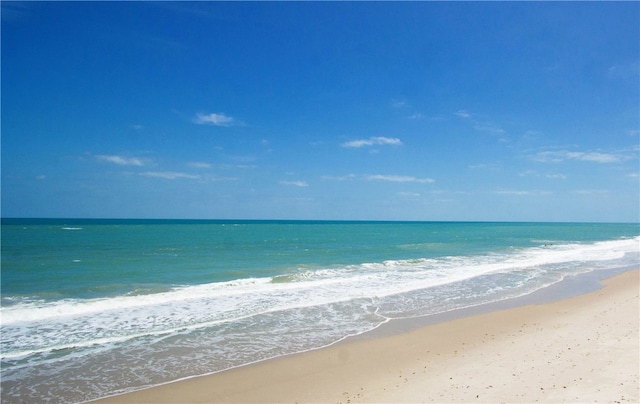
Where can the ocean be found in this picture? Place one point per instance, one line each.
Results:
(92, 308)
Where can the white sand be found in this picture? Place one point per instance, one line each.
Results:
(583, 349)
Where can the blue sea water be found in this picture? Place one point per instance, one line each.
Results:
(92, 308)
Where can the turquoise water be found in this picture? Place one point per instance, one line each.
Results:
(96, 307)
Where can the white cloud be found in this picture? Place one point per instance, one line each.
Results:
(169, 175)
(121, 160)
(409, 194)
(373, 141)
(595, 157)
(463, 114)
(489, 127)
(563, 155)
(400, 178)
(295, 183)
(199, 164)
(379, 177)
(237, 166)
(522, 192)
(531, 135)
(398, 104)
(339, 178)
(483, 126)
(217, 119)
(624, 71)
(591, 191)
(485, 166)
(527, 173)
(533, 173)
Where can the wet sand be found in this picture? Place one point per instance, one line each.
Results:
(580, 349)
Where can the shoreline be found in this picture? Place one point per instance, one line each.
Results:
(536, 347)
(569, 287)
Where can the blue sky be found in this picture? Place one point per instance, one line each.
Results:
(338, 110)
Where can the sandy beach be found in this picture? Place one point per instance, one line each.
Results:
(580, 349)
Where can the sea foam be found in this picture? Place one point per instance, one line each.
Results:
(39, 326)
(154, 333)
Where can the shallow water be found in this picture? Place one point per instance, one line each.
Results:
(93, 308)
